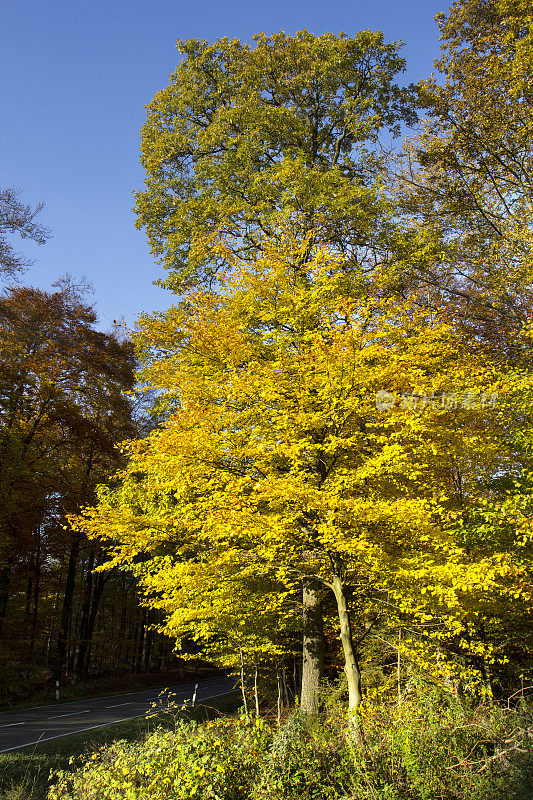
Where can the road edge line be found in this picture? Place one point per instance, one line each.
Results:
(104, 725)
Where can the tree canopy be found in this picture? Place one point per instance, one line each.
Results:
(246, 140)
(345, 386)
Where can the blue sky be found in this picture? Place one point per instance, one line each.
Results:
(76, 76)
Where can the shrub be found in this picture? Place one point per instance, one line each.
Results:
(435, 747)
(216, 761)
(432, 747)
(308, 758)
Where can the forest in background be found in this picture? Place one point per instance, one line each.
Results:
(66, 403)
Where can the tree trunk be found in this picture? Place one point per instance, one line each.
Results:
(284, 686)
(5, 586)
(67, 605)
(88, 630)
(147, 644)
(351, 666)
(36, 593)
(243, 687)
(256, 693)
(313, 646)
(133, 638)
(121, 634)
(78, 667)
(29, 594)
(141, 643)
(278, 676)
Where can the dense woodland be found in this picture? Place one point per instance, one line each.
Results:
(66, 403)
(336, 488)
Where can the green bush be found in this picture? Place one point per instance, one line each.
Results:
(435, 747)
(308, 758)
(432, 747)
(217, 760)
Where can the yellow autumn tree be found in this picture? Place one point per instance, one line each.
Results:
(249, 139)
(294, 450)
(316, 432)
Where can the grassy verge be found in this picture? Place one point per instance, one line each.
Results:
(24, 774)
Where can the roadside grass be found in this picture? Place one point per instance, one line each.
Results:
(25, 773)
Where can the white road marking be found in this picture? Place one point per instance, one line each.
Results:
(11, 724)
(72, 714)
(182, 687)
(71, 733)
(101, 725)
(131, 702)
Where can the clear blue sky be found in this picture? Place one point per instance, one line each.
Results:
(75, 78)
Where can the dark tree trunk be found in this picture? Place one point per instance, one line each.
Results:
(99, 585)
(121, 633)
(29, 593)
(68, 598)
(81, 646)
(133, 638)
(95, 584)
(33, 599)
(36, 593)
(147, 645)
(313, 646)
(5, 585)
(141, 643)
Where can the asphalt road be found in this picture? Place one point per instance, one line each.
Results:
(28, 726)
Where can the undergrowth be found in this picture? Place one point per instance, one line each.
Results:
(430, 747)
(25, 773)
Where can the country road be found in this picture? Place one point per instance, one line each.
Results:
(28, 726)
